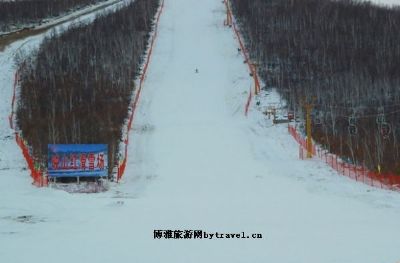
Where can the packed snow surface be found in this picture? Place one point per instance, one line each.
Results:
(196, 162)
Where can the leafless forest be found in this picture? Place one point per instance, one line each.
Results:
(76, 88)
(343, 56)
(17, 12)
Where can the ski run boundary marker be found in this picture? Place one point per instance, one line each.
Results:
(122, 162)
(356, 172)
(37, 173)
(231, 22)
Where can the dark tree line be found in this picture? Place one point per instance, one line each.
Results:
(76, 89)
(342, 55)
(20, 12)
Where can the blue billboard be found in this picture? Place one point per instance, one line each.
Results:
(77, 160)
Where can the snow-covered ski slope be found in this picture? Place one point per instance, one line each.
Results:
(195, 162)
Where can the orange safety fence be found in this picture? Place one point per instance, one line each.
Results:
(246, 108)
(230, 21)
(39, 177)
(300, 140)
(355, 172)
(122, 163)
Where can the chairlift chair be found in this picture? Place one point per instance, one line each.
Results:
(353, 130)
(385, 130)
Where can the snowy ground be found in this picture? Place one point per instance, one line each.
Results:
(195, 162)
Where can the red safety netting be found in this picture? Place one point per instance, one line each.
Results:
(300, 140)
(355, 172)
(122, 163)
(230, 21)
(39, 177)
(246, 108)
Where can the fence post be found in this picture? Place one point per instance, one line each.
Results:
(349, 168)
(356, 173)
(336, 165)
(118, 171)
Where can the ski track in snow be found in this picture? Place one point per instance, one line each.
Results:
(195, 162)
